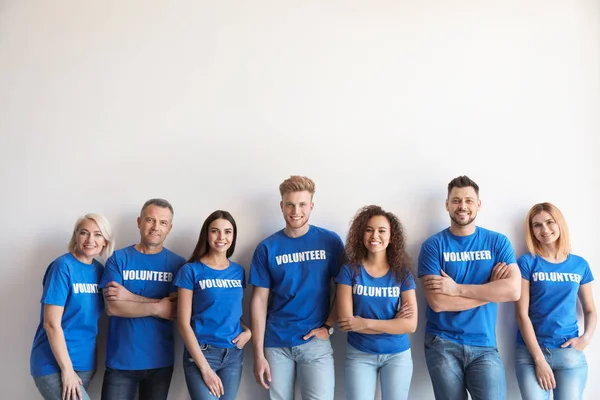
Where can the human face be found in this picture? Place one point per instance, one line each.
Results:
(89, 241)
(545, 229)
(154, 224)
(296, 208)
(462, 206)
(220, 236)
(376, 236)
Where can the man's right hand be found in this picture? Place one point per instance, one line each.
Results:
(262, 371)
(500, 271)
(165, 308)
(115, 291)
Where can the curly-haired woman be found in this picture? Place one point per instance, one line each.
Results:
(377, 305)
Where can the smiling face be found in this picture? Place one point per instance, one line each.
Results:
(154, 224)
(296, 208)
(89, 241)
(220, 236)
(545, 229)
(462, 206)
(376, 236)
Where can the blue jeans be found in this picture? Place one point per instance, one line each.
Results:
(570, 373)
(227, 363)
(50, 386)
(361, 374)
(313, 361)
(455, 369)
(120, 384)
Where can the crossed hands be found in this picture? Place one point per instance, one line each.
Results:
(356, 323)
(165, 308)
(444, 284)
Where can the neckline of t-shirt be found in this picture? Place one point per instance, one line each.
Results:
(310, 229)
(146, 254)
(81, 262)
(466, 237)
(558, 263)
(362, 265)
(214, 269)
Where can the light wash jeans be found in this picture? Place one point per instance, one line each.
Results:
(570, 373)
(50, 386)
(227, 363)
(456, 368)
(313, 361)
(362, 369)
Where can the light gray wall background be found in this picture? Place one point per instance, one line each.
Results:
(104, 104)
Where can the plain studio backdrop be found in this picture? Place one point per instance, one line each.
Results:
(104, 104)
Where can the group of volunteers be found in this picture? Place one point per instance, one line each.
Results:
(465, 270)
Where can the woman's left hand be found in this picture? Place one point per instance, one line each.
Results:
(243, 338)
(352, 324)
(578, 343)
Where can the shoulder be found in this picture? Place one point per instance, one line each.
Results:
(526, 258)
(272, 239)
(436, 239)
(325, 233)
(487, 233)
(174, 257)
(236, 266)
(63, 263)
(578, 260)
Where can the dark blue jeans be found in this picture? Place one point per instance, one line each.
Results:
(153, 384)
(455, 369)
(227, 363)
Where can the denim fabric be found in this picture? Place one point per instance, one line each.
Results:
(570, 373)
(153, 384)
(50, 386)
(227, 363)
(395, 372)
(313, 361)
(455, 369)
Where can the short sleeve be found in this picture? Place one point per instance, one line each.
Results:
(429, 260)
(408, 283)
(344, 277)
(524, 266)
(259, 269)
(338, 256)
(57, 284)
(185, 278)
(505, 251)
(112, 272)
(587, 276)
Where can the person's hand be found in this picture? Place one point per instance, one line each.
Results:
(500, 271)
(165, 308)
(578, 343)
(243, 338)
(352, 324)
(71, 385)
(442, 284)
(115, 291)
(319, 333)
(544, 375)
(212, 381)
(405, 311)
(262, 371)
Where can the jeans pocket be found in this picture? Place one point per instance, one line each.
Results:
(431, 339)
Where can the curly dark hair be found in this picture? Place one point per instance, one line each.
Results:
(396, 255)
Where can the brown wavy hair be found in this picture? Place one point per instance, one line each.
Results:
(356, 252)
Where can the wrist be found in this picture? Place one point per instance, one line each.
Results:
(328, 328)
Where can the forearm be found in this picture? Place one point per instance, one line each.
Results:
(58, 345)
(333, 314)
(259, 321)
(441, 302)
(396, 326)
(589, 325)
(528, 333)
(192, 345)
(131, 309)
(499, 291)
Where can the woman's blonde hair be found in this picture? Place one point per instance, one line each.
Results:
(105, 228)
(563, 242)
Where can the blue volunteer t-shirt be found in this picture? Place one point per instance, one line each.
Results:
(467, 260)
(71, 284)
(553, 292)
(376, 298)
(216, 302)
(298, 272)
(146, 342)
